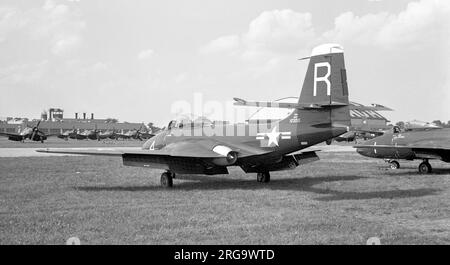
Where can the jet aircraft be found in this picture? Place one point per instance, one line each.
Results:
(321, 113)
(416, 125)
(424, 145)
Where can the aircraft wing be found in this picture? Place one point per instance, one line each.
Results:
(421, 152)
(183, 157)
(378, 133)
(9, 134)
(374, 107)
(190, 149)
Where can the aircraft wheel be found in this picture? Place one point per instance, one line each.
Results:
(328, 142)
(166, 180)
(394, 164)
(425, 168)
(263, 177)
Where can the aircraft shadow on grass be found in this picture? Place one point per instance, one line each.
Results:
(305, 184)
(403, 172)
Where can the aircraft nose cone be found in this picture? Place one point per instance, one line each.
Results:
(364, 151)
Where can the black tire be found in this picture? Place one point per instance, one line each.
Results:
(259, 177)
(263, 177)
(166, 180)
(425, 168)
(394, 164)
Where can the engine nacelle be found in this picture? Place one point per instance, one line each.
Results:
(229, 156)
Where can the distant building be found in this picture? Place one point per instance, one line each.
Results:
(53, 122)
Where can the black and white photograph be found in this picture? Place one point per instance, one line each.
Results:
(250, 125)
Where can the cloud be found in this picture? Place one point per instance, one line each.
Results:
(422, 23)
(145, 54)
(27, 73)
(276, 31)
(222, 44)
(279, 31)
(56, 24)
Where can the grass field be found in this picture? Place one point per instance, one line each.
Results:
(60, 143)
(342, 199)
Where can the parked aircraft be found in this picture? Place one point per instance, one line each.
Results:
(134, 134)
(410, 145)
(68, 134)
(416, 125)
(82, 135)
(32, 133)
(321, 113)
(94, 134)
(355, 134)
(107, 135)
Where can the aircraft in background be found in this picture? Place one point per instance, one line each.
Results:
(416, 125)
(355, 134)
(361, 133)
(94, 134)
(364, 131)
(409, 145)
(135, 134)
(32, 133)
(109, 134)
(321, 113)
(68, 134)
(82, 135)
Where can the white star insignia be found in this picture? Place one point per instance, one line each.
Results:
(273, 137)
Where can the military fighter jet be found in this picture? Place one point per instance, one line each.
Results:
(423, 144)
(321, 113)
(32, 133)
(355, 134)
(416, 125)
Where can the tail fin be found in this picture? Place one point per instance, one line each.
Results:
(325, 85)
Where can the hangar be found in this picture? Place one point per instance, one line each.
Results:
(53, 122)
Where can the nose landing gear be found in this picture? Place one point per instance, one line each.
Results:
(394, 164)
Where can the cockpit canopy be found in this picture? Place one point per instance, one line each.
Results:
(189, 122)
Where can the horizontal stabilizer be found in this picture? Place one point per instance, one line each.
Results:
(284, 105)
(374, 107)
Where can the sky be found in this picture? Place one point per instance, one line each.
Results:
(138, 61)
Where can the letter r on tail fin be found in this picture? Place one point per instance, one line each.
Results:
(322, 78)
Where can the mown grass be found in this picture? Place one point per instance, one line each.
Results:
(342, 199)
(55, 142)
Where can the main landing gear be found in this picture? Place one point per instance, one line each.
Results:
(263, 177)
(425, 167)
(394, 164)
(167, 179)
